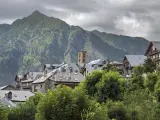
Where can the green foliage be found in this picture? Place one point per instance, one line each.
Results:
(150, 81)
(95, 112)
(57, 105)
(66, 104)
(149, 65)
(91, 82)
(29, 61)
(3, 113)
(141, 105)
(110, 86)
(157, 90)
(158, 70)
(136, 82)
(117, 110)
(138, 70)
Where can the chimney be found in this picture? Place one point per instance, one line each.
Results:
(8, 95)
(45, 72)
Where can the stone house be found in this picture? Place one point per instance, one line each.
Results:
(68, 74)
(153, 51)
(24, 82)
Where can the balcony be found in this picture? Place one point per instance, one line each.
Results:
(156, 59)
(154, 52)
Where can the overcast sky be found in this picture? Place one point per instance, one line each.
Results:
(126, 17)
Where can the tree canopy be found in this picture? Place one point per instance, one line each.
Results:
(104, 95)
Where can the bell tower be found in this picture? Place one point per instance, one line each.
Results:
(82, 57)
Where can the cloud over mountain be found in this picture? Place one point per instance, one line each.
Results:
(127, 17)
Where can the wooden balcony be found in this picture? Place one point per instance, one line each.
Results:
(156, 59)
(153, 52)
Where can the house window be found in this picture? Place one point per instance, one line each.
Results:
(41, 86)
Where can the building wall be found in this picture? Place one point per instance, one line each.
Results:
(26, 86)
(154, 54)
(82, 57)
(38, 87)
(43, 87)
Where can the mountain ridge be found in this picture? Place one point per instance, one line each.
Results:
(32, 41)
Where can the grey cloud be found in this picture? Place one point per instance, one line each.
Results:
(104, 15)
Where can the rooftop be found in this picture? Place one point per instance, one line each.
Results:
(44, 77)
(17, 95)
(136, 60)
(66, 73)
(7, 102)
(97, 62)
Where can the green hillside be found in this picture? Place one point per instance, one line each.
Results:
(37, 39)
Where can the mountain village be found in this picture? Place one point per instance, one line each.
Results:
(69, 74)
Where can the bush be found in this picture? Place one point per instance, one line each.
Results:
(138, 70)
(158, 70)
(140, 104)
(149, 65)
(91, 81)
(150, 81)
(67, 104)
(117, 110)
(157, 90)
(136, 82)
(3, 113)
(110, 86)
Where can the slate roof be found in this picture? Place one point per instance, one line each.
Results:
(97, 62)
(73, 76)
(17, 95)
(90, 67)
(2, 87)
(32, 76)
(136, 60)
(7, 102)
(63, 74)
(44, 78)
